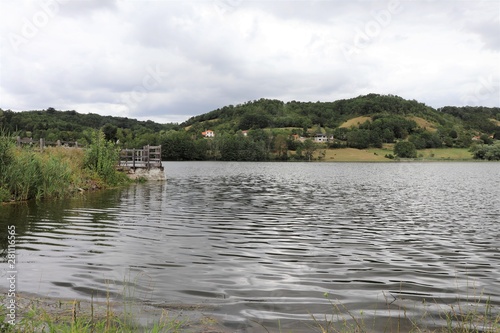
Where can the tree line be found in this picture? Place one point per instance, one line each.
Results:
(272, 128)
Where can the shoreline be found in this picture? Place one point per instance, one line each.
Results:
(38, 308)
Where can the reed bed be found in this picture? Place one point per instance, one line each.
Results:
(27, 173)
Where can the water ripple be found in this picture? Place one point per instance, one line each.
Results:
(267, 242)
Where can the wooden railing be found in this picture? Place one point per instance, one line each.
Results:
(41, 143)
(147, 158)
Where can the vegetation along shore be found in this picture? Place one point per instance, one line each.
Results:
(369, 128)
(27, 173)
(46, 314)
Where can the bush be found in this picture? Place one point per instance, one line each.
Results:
(102, 157)
(405, 149)
(4, 195)
(25, 176)
(490, 153)
(6, 154)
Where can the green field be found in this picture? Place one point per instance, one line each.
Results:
(378, 154)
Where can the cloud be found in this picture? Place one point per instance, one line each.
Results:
(175, 59)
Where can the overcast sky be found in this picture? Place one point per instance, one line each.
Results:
(168, 60)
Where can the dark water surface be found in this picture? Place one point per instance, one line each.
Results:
(264, 242)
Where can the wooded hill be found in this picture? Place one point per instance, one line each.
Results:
(272, 127)
(265, 113)
(54, 125)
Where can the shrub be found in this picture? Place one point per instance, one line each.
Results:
(405, 149)
(102, 157)
(6, 155)
(487, 152)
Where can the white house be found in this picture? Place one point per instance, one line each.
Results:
(208, 134)
(320, 137)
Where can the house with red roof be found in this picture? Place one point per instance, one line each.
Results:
(208, 134)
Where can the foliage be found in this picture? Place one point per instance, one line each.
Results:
(34, 175)
(477, 118)
(405, 149)
(181, 146)
(270, 122)
(309, 148)
(358, 138)
(73, 317)
(53, 125)
(6, 155)
(102, 157)
(305, 114)
(26, 173)
(425, 140)
(487, 152)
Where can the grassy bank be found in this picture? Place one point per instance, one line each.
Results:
(27, 173)
(378, 154)
(44, 314)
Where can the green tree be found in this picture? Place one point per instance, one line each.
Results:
(6, 153)
(358, 138)
(487, 152)
(109, 131)
(281, 147)
(405, 149)
(308, 148)
(254, 119)
(486, 139)
(102, 157)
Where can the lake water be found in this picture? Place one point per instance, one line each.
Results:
(275, 243)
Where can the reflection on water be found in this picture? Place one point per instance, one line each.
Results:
(264, 242)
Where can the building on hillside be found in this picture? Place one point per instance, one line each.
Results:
(320, 138)
(245, 133)
(208, 134)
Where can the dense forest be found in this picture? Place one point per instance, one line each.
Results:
(53, 125)
(268, 129)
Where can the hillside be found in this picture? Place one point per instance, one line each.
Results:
(56, 125)
(265, 113)
(275, 129)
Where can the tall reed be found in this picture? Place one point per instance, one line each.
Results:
(26, 173)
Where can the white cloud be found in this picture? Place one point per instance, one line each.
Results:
(170, 60)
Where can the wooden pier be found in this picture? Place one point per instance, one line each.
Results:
(149, 157)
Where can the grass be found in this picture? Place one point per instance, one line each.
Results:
(473, 315)
(44, 314)
(423, 123)
(496, 122)
(55, 172)
(355, 122)
(378, 154)
(74, 317)
(446, 154)
(101, 314)
(352, 155)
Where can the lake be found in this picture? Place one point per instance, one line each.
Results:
(276, 244)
